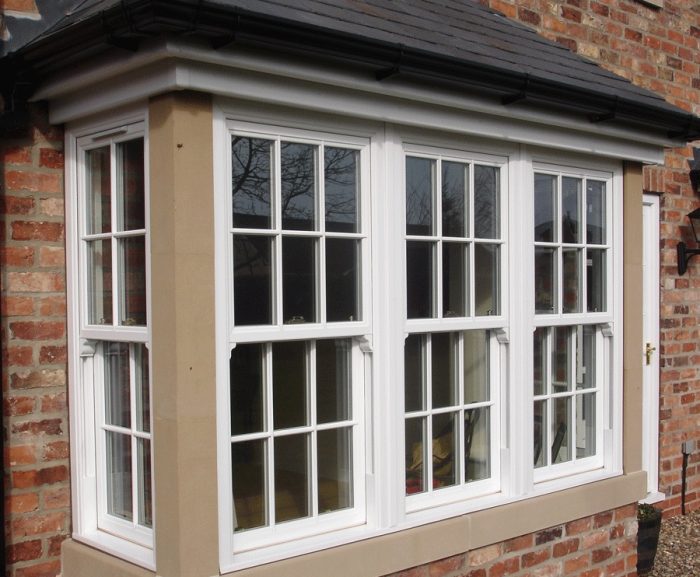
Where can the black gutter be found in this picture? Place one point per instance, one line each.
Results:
(126, 24)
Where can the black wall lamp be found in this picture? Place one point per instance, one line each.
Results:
(684, 253)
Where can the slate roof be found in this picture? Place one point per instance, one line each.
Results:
(460, 37)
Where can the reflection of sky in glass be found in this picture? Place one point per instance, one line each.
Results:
(419, 195)
(252, 182)
(570, 209)
(298, 163)
(341, 180)
(486, 201)
(595, 212)
(545, 188)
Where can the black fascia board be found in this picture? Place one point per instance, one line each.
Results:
(124, 24)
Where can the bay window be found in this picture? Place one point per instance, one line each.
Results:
(488, 386)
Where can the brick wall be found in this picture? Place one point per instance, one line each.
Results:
(33, 331)
(658, 49)
(604, 545)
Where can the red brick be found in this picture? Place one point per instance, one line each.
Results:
(55, 545)
(20, 6)
(52, 256)
(16, 205)
(53, 306)
(24, 551)
(37, 331)
(602, 519)
(51, 206)
(564, 548)
(34, 428)
(20, 455)
(27, 379)
(15, 154)
(51, 158)
(38, 477)
(57, 498)
(19, 356)
(601, 554)
(506, 567)
(446, 566)
(52, 355)
(22, 502)
(48, 569)
(56, 451)
(535, 557)
(519, 543)
(572, 566)
(35, 282)
(15, 406)
(548, 535)
(37, 230)
(29, 181)
(53, 403)
(17, 256)
(27, 526)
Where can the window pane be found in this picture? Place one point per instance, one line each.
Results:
(415, 456)
(290, 404)
(143, 394)
(545, 207)
(595, 279)
(476, 366)
(251, 163)
(299, 279)
(333, 380)
(130, 182)
(540, 433)
(444, 369)
(292, 478)
(419, 279)
(571, 265)
(545, 280)
(299, 186)
(145, 497)
(561, 359)
(477, 444)
(486, 281)
(342, 279)
(133, 281)
(100, 282)
(414, 372)
(445, 437)
(249, 470)
(454, 290)
(561, 430)
(334, 469)
(455, 192)
(420, 184)
(570, 209)
(117, 386)
(585, 425)
(247, 389)
(486, 202)
(119, 493)
(252, 280)
(99, 190)
(595, 212)
(341, 179)
(539, 360)
(586, 356)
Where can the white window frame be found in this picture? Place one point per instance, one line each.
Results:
(388, 508)
(91, 524)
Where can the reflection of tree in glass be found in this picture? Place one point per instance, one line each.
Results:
(298, 185)
(455, 179)
(419, 195)
(341, 176)
(486, 184)
(251, 182)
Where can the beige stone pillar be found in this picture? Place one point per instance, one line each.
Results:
(183, 353)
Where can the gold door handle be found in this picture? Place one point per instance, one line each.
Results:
(649, 351)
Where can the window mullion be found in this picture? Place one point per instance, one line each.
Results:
(270, 443)
(116, 270)
(132, 438)
(313, 436)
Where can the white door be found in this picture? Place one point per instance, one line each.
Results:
(650, 355)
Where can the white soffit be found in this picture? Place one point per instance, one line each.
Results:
(169, 66)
